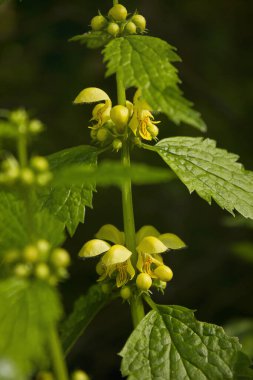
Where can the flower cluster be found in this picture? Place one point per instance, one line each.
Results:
(39, 261)
(117, 23)
(115, 261)
(110, 123)
(37, 173)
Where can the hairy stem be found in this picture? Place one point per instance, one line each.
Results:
(58, 362)
(137, 309)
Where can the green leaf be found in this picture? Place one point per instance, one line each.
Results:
(109, 173)
(67, 203)
(8, 130)
(18, 226)
(28, 310)
(85, 309)
(210, 171)
(170, 344)
(243, 328)
(145, 63)
(93, 40)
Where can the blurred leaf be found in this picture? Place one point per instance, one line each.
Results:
(171, 344)
(85, 309)
(210, 171)
(67, 203)
(145, 63)
(244, 250)
(18, 226)
(243, 329)
(237, 221)
(28, 310)
(109, 173)
(93, 40)
(8, 130)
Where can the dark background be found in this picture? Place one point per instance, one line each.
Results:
(42, 72)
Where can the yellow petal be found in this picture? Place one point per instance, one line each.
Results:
(91, 95)
(111, 233)
(130, 269)
(172, 241)
(146, 231)
(134, 123)
(140, 102)
(94, 248)
(150, 245)
(117, 254)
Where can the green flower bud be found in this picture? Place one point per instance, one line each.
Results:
(22, 270)
(31, 254)
(60, 257)
(45, 376)
(113, 29)
(98, 23)
(131, 28)
(62, 273)
(126, 293)
(19, 117)
(118, 12)
(106, 288)
(43, 246)
(40, 163)
(117, 144)
(93, 134)
(140, 22)
(35, 127)
(43, 179)
(102, 134)
(79, 375)
(164, 273)
(143, 281)
(42, 271)
(27, 176)
(120, 116)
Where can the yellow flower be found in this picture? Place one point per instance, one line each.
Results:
(150, 247)
(101, 112)
(142, 123)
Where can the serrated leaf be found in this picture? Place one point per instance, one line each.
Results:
(109, 173)
(170, 344)
(93, 40)
(28, 310)
(210, 171)
(67, 203)
(85, 309)
(145, 63)
(19, 226)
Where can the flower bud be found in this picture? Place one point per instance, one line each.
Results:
(43, 247)
(79, 375)
(35, 127)
(19, 117)
(153, 129)
(140, 22)
(102, 134)
(43, 179)
(120, 116)
(42, 271)
(45, 376)
(98, 23)
(22, 270)
(118, 12)
(125, 292)
(117, 144)
(93, 134)
(113, 29)
(27, 176)
(60, 257)
(106, 288)
(164, 273)
(143, 281)
(40, 163)
(130, 28)
(31, 254)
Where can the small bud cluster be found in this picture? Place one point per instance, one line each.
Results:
(163, 274)
(39, 261)
(117, 23)
(76, 375)
(37, 173)
(24, 124)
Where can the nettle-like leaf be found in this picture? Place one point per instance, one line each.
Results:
(170, 344)
(93, 40)
(28, 311)
(210, 171)
(145, 63)
(109, 173)
(19, 226)
(85, 309)
(67, 203)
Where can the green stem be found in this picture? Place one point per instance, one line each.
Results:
(150, 302)
(115, 2)
(58, 362)
(137, 309)
(22, 150)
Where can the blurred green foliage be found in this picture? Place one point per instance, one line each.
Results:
(41, 71)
